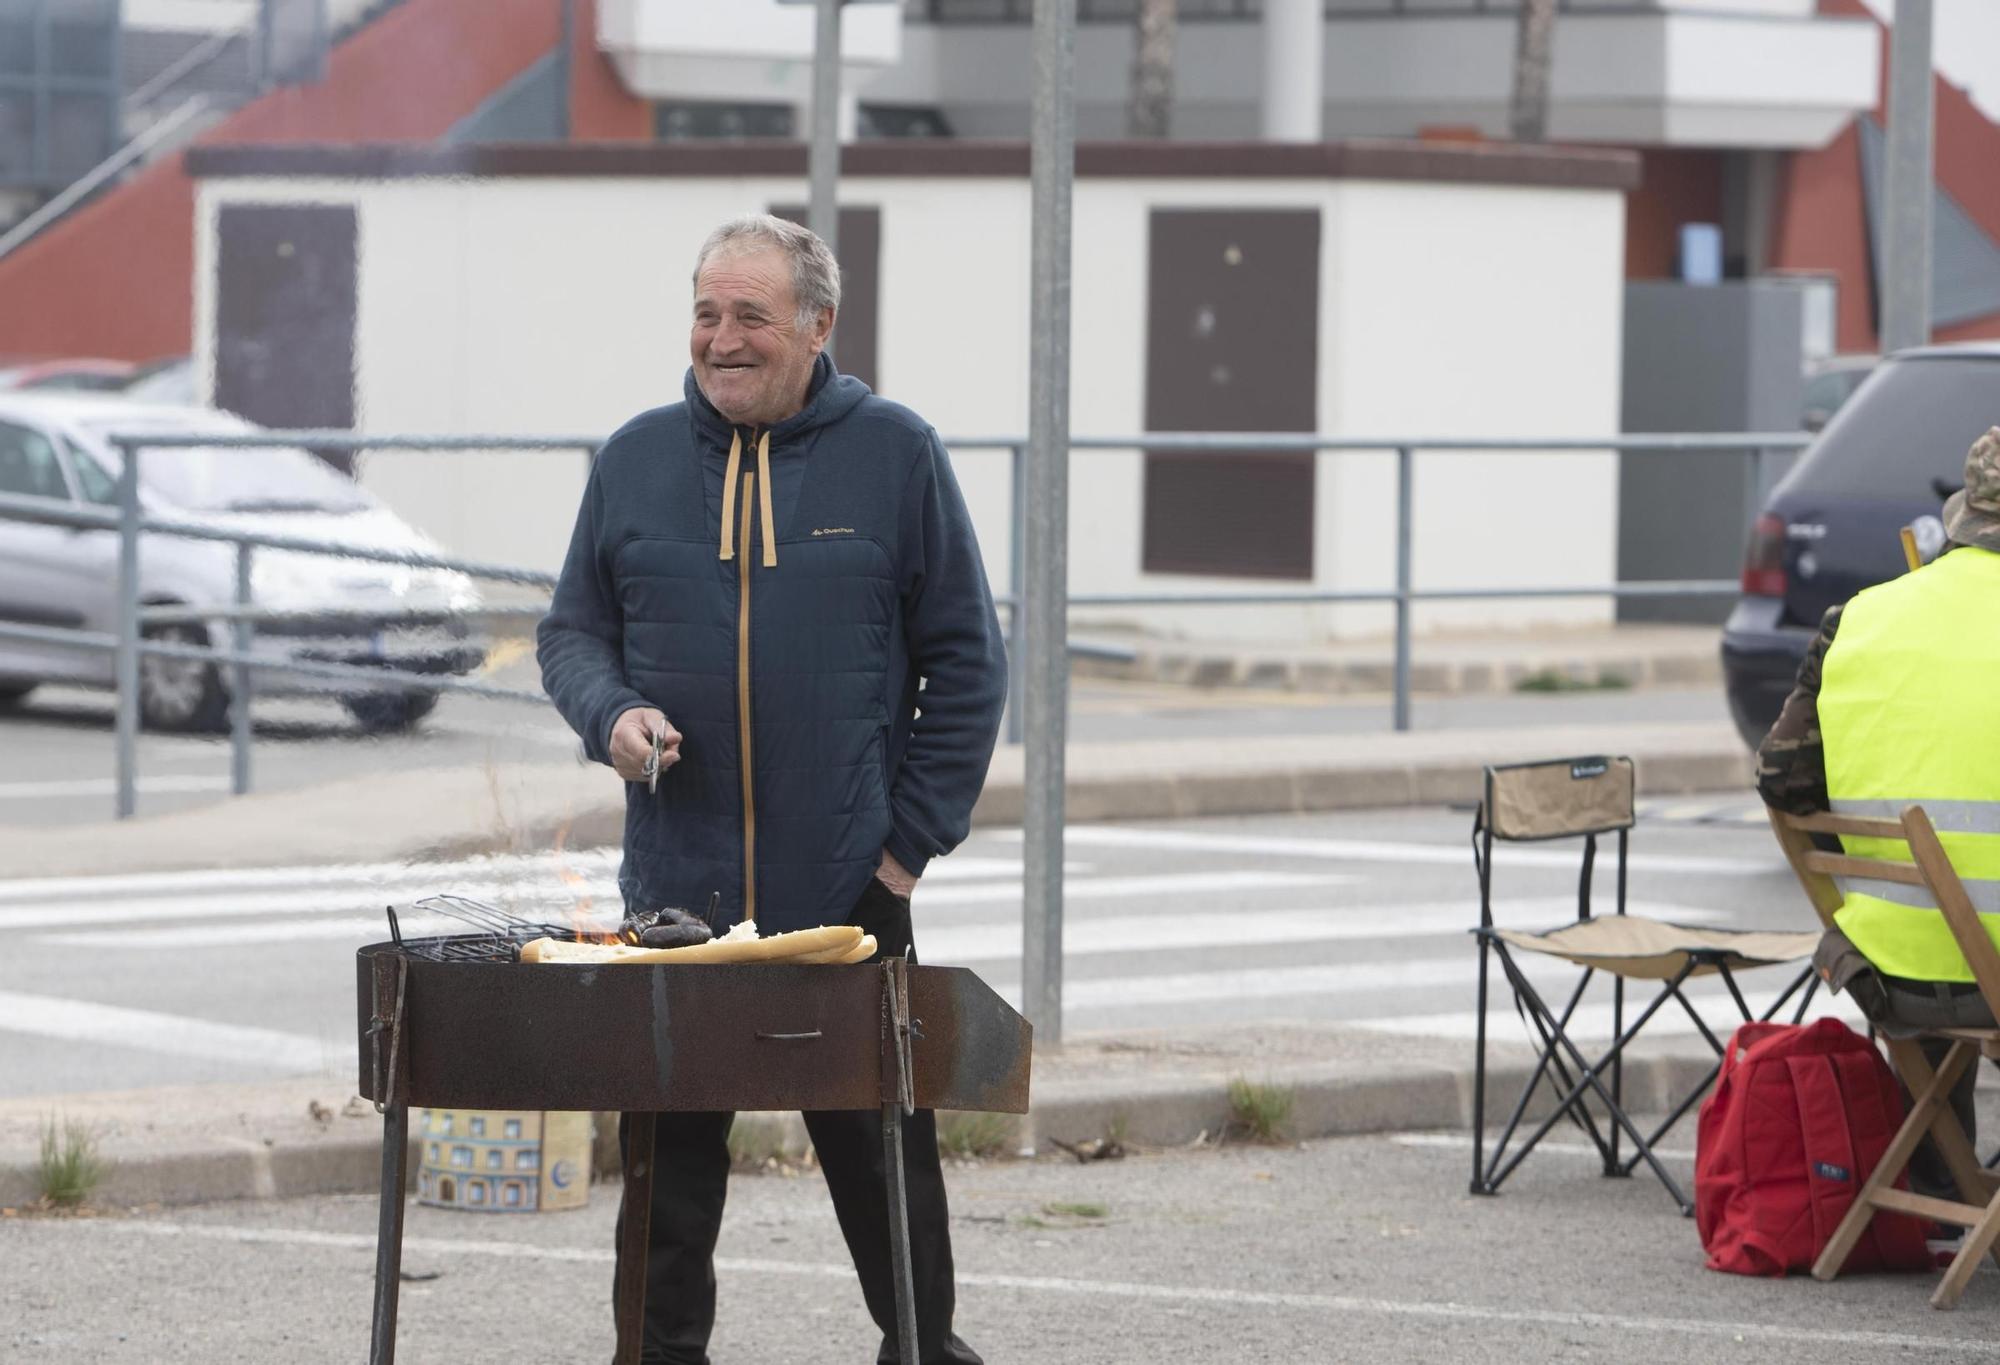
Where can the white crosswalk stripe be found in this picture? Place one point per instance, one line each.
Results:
(86, 1021)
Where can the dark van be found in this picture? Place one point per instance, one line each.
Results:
(1889, 458)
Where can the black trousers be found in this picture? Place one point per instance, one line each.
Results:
(690, 1180)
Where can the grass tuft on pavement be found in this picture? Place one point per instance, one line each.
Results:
(1553, 680)
(969, 1136)
(1259, 1112)
(71, 1166)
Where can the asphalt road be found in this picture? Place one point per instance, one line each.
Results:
(1361, 918)
(1356, 1250)
(60, 754)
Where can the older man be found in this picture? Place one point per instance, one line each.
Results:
(762, 577)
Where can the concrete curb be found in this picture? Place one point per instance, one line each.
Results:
(1213, 667)
(1327, 1101)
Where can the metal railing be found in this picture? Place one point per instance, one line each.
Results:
(969, 12)
(1758, 447)
(183, 124)
(127, 643)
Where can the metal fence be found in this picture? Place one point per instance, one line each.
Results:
(128, 641)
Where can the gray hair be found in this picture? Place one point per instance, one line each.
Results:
(815, 273)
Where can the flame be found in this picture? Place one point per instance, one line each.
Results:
(586, 929)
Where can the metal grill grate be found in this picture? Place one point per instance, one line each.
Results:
(497, 935)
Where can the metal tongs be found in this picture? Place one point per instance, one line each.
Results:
(652, 766)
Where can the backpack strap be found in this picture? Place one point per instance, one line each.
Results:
(1832, 1174)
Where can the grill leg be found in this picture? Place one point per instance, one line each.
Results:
(634, 1222)
(899, 1234)
(389, 1232)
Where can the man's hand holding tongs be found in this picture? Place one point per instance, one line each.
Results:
(644, 745)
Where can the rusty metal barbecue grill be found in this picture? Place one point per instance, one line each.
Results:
(459, 1022)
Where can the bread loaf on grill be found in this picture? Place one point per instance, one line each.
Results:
(832, 943)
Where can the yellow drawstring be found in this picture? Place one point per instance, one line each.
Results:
(729, 497)
(764, 500)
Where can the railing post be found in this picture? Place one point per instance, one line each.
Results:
(1017, 582)
(127, 658)
(239, 709)
(1405, 471)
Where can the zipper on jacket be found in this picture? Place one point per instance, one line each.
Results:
(745, 757)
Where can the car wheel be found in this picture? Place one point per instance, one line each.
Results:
(15, 690)
(181, 694)
(386, 712)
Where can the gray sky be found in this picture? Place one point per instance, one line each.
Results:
(1967, 34)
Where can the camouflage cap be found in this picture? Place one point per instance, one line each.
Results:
(1972, 515)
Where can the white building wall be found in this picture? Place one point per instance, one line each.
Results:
(553, 306)
(1734, 75)
(1474, 311)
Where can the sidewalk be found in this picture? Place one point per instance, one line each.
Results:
(456, 812)
(1453, 664)
(195, 1144)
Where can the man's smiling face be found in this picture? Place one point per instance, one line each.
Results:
(752, 359)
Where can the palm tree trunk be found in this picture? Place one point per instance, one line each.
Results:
(1151, 108)
(1528, 116)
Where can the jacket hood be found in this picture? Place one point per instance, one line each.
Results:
(830, 396)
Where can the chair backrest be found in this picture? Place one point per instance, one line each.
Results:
(1559, 798)
(1928, 868)
(1555, 799)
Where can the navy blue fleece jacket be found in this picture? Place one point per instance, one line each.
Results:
(786, 641)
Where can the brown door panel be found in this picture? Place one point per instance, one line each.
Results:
(1232, 345)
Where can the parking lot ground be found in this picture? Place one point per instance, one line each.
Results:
(1362, 1249)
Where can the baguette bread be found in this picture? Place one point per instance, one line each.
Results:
(836, 939)
(860, 952)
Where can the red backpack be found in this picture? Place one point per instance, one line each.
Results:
(1798, 1118)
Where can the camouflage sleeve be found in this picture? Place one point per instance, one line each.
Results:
(1791, 765)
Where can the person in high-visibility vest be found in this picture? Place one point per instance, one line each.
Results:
(1893, 707)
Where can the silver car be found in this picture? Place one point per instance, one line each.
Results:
(54, 451)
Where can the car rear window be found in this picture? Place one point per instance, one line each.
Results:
(1909, 425)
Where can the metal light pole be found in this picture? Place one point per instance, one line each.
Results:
(1052, 164)
(823, 212)
(1906, 189)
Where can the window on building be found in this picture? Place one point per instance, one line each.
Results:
(512, 1128)
(495, 1159)
(510, 1194)
(475, 1192)
(59, 90)
(444, 1123)
(434, 1152)
(461, 1156)
(527, 1159)
(902, 120)
(684, 120)
(478, 1126)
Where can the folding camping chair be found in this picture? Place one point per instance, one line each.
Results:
(1929, 870)
(1588, 797)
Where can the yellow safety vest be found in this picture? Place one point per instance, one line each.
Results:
(1908, 715)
